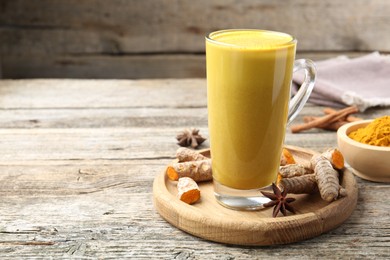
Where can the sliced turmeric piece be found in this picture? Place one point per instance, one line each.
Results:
(188, 190)
(278, 179)
(335, 157)
(286, 158)
(197, 170)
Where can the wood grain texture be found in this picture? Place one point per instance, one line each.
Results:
(98, 26)
(68, 93)
(126, 66)
(135, 39)
(105, 66)
(93, 199)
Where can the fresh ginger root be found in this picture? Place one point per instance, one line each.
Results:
(188, 190)
(186, 155)
(286, 158)
(196, 170)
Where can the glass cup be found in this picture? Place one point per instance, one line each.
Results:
(249, 74)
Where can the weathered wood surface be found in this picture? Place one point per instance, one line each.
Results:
(137, 66)
(137, 39)
(78, 160)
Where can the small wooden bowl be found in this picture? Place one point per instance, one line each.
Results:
(368, 161)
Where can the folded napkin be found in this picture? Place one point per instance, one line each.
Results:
(363, 82)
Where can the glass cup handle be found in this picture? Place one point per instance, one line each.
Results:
(299, 100)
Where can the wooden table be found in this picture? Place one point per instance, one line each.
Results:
(78, 159)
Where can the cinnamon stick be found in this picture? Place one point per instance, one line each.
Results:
(334, 126)
(308, 119)
(328, 119)
(348, 118)
(328, 126)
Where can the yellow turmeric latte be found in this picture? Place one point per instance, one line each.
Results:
(376, 133)
(248, 76)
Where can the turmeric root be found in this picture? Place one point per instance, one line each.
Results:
(299, 179)
(286, 158)
(188, 190)
(327, 178)
(197, 170)
(299, 185)
(342, 192)
(186, 155)
(335, 157)
(294, 170)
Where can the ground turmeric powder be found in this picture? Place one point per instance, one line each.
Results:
(375, 133)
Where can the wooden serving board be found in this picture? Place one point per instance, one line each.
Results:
(209, 220)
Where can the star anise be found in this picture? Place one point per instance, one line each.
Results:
(190, 137)
(279, 200)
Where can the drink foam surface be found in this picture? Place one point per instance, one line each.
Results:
(252, 39)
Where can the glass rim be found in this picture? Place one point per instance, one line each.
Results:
(214, 41)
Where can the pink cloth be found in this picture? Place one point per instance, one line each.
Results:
(363, 81)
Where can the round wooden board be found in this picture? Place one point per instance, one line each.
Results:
(209, 220)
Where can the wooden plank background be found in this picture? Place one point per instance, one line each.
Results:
(156, 39)
(78, 160)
